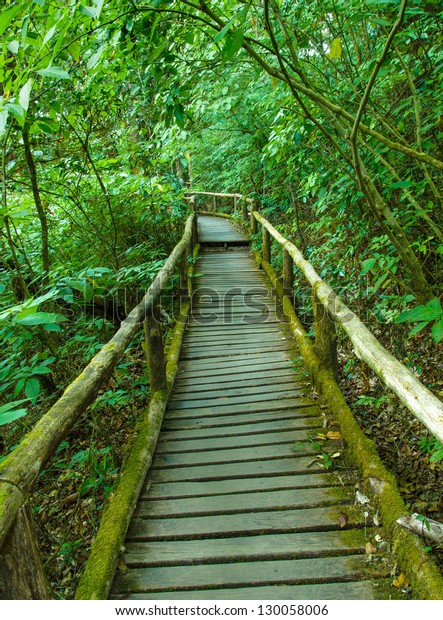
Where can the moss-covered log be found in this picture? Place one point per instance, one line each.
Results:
(422, 573)
(420, 401)
(96, 580)
(21, 468)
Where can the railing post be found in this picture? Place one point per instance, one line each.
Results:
(21, 570)
(253, 221)
(325, 337)
(194, 231)
(235, 204)
(214, 204)
(244, 209)
(288, 274)
(192, 203)
(155, 355)
(266, 244)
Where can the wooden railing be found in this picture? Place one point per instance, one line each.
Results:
(21, 571)
(329, 310)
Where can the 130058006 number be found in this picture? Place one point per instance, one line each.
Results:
(292, 610)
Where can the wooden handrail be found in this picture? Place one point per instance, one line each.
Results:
(217, 194)
(20, 470)
(424, 405)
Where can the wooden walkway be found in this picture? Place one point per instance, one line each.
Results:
(234, 506)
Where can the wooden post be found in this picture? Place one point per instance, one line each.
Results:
(235, 203)
(21, 570)
(266, 245)
(325, 337)
(194, 239)
(288, 275)
(155, 355)
(214, 204)
(244, 210)
(192, 203)
(253, 221)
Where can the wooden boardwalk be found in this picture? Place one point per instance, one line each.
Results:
(234, 506)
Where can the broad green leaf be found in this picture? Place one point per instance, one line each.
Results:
(6, 17)
(233, 43)
(48, 36)
(39, 318)
(417, 329)
(17, 112)
(223, 32)
(399, 184)
(335, 49)
(32, 389)
(437, 331)
(420, 313)
(11, 416)
(436, 456)
(3, 120)
(54, 72)
(179, 114)
(25, 93)
(13, 47)
(95, 57)
(367, 265)
(74, 50)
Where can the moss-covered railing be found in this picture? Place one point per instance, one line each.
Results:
(320, 358)
(21, 570)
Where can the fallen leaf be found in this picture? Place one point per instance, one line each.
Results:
(370, 548)
(343, 520)
(122, 567)
(333, 435)
(361, 499)
(400, 581)
(376, 519)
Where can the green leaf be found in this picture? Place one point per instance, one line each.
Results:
(420, 313)
(13, 46)
(3, 120)
(415, 330)
(223, 32)
(17, 112)
(9, 414)
(437, 331)
(233, 43)
(32, 389)
(399, 184)
(367, 265)
(7, 16)
(179, 114)
(335, 49)
(436, 456)
(54, 72)
(74, 50)
(24, 94)
(39, 318)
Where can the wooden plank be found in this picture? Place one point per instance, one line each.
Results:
(197, 386)
(177, 443)
(242, 431)
(231, 351)
(254, 368)
(240, 361)
(288, 499)
(207, 576)
(220, 471)
(302, 417)
(246, 548)
(159, 490)
(252, 395)
(232, 455)
(345, 591)
(259, 387)
(235, 409)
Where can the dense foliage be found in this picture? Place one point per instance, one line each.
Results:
(328, 112)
